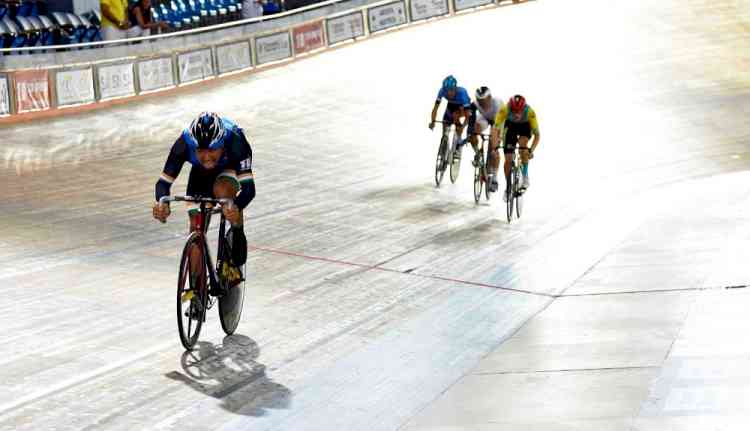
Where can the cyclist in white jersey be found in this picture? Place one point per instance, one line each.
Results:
(482, 116)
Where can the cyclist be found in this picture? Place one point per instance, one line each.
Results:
(458, 103)
(520, 123)
(487, 107)
(221, 160)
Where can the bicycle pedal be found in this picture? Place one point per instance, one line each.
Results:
(187, 296)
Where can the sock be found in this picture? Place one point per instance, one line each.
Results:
(525, 169)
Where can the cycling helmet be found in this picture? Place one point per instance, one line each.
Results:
(207, 131)
(483, 93)
(517, 104)
(449, 83)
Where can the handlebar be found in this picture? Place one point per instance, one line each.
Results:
(167, 199)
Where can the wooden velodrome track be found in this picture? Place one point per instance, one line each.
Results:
(378, 302)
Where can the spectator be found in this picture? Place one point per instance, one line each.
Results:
(141, 21)
(114, 19)
(252, 9)
(271, 7)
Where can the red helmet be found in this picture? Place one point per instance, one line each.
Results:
(517, 104)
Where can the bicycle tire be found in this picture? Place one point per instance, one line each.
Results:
(477, 183)
(230, 307)
(456, 163)
(510, 195)
(440, 161)
(487, 190)
(185, 296)
(519, 203)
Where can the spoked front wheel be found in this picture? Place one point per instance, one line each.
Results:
(510, 195)
(478, 181)
(192, 294)
(440, 162)
(519, 202)
(456, 163)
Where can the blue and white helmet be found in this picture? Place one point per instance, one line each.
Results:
(207, 131)
(449, 83)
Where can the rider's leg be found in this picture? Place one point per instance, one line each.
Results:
(523, 142)
(226, 186)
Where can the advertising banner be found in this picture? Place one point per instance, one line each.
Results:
(386, 16)
(234, 56)
(273, 47)
(308, 37)
(4, 95)
(345, 27)
(423, 9)
(467, 4)
(32, 90)
(155, 74)
(195, 65)
(75, 86)
(116, 80)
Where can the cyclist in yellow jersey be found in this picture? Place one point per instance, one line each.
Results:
(521, 122)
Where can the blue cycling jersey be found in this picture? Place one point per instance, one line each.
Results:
(461, 97)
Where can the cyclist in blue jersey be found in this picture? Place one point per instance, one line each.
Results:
(458, 105)
(221, 160)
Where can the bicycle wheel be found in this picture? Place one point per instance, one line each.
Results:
(456, 163)
(510, 195)
(477, 183)
(519, 197)
(192, 295)
(440, 161)
(230, 306)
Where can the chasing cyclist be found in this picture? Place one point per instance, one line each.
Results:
(520, 122)
(458, 105)
(487, 107)
(221, 160)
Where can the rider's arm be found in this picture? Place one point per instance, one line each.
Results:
(433, 116)
(534, 123)
(497, 130)
(172, 167)
(244, 168)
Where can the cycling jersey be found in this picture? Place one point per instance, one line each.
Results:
(235, 163)
(527, 116)
(495, 106)
(460, 97)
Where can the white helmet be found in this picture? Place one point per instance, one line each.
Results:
(483, 92)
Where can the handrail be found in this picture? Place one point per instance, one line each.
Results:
(180, 33)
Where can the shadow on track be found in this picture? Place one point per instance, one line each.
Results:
(229, 372)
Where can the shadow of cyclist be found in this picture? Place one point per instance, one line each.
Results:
(229, 372)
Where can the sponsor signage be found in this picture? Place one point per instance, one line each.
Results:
(155, 74)
(308, 37)
(273, 47)
(467, 4)
(75, 86)
(423, 9)
(4, 95)
(195, 65)
(345, 27)
(32, 90)
(116, 80)
(386, 16)
(234, 56)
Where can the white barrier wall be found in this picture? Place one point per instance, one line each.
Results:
(345, 27)
(155, 74)
(4, 95)
(116, 80)
(386, 16)
(30, 90)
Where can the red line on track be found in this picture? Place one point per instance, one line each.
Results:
(379, 268)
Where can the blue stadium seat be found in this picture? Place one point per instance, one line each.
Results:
(29, 30)
(16, 38)
(91, 33)
(46, 28)
(65, 33)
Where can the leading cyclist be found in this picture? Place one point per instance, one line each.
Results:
(521, 122)
(221, 160)
(458, 104)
